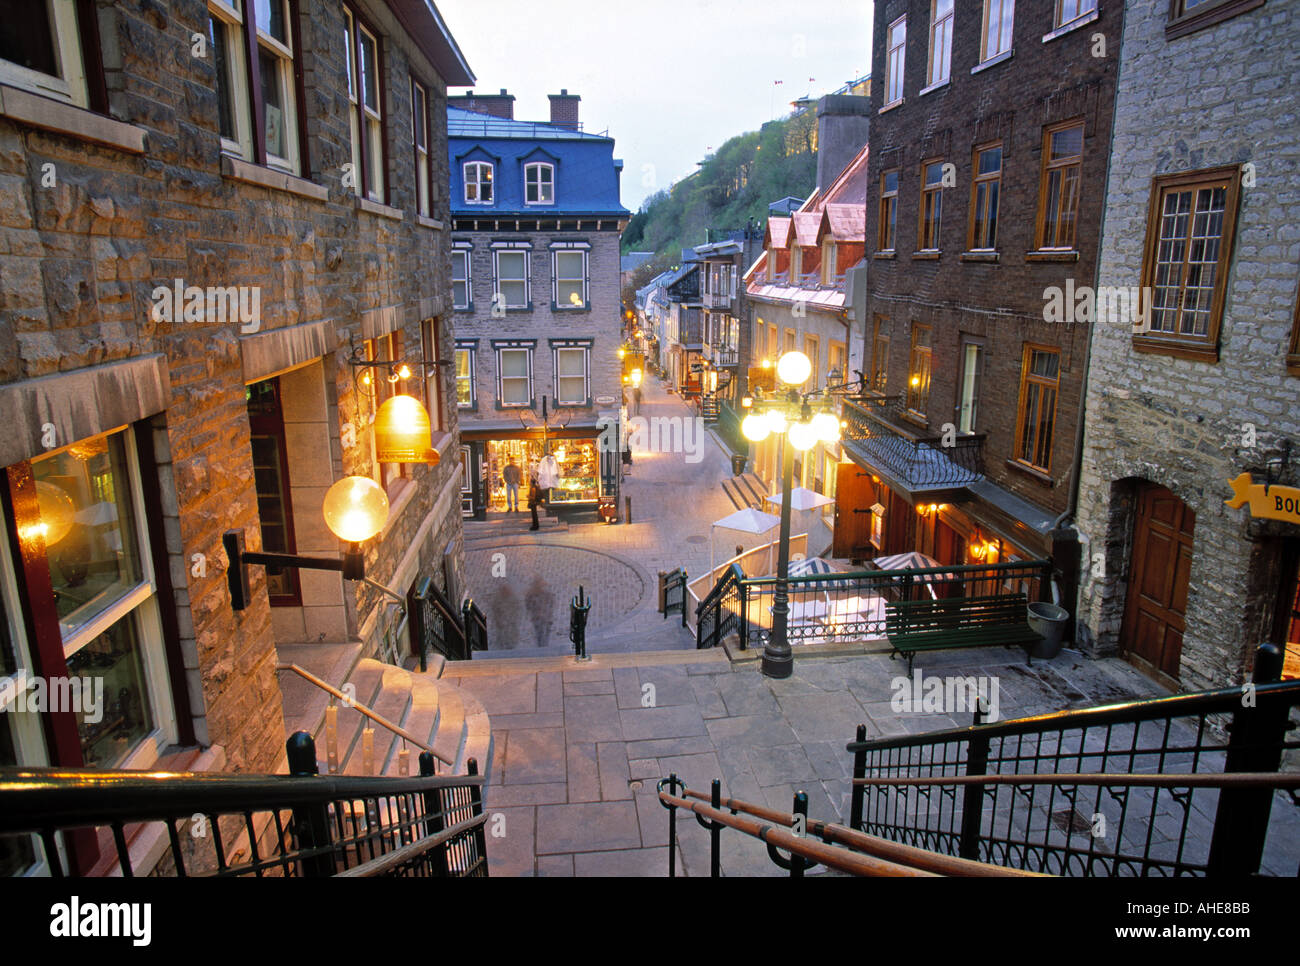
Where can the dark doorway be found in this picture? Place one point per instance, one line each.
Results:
(1152, 633)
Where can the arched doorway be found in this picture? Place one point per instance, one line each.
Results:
(1156, 604)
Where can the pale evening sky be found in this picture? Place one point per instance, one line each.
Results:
(669, 79)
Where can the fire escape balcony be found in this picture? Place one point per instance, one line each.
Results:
(908, 458)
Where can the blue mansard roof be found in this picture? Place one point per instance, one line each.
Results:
(586, 171)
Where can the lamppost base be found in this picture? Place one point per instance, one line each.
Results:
(778, 666)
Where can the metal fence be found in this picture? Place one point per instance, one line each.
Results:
(1143, 788)
(843, 607)
(875, 430)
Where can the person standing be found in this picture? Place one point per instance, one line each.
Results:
(534, 497)
(512, 477)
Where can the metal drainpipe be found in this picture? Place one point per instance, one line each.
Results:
(1073, 505)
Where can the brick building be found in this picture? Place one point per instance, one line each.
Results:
(192, 261)
(1203, 388)
(990, 146)
(535, 266)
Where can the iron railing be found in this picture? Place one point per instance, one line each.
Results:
(842, 849)
(729, 428)
(476, 630)
(843, 607)
(1082, 793)
(672, 593)
(876, 432)
(296, 825)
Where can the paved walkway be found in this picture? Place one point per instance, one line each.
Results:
(579, 750)
(524, 582)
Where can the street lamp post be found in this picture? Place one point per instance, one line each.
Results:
(791, 417)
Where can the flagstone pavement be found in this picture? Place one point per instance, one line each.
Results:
(579, 748)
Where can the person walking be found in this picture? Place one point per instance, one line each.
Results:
(535, 497)
(512, 476)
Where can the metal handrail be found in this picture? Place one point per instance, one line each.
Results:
(935, 862)
(400, 857)
(1146, 709)
(1242, 779)
(363, 709)
(853, 863)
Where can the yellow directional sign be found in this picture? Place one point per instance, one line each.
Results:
(1266, 502)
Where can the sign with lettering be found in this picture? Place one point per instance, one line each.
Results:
(1266, 502)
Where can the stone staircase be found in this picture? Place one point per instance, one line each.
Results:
(745, 490)
(436, 712)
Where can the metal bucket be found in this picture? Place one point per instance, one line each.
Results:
(1049, 620)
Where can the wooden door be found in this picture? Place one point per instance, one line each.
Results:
(1152, 632)
(854, 495)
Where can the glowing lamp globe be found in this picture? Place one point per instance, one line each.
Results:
(776, 421)
(803, 436)
(826, 427)
(754, 428)
(355, 508)
(58, 512)
(402, 432)
(793, 368)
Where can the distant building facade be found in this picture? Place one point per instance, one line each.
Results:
(536, 222)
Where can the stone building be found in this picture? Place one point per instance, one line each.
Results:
(1193, 375)
(990, 146)
(536, 222)
(191, 264)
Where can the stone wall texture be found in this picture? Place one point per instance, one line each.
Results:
(1225, 95)
(80, 259)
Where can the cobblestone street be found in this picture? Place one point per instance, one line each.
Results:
(525, 591)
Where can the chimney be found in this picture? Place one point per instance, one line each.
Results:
(564, 109)
(498, 105)
(843, 123)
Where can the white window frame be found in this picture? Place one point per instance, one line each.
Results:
(423, 178)
(70, 83)
(496, 278)
(430, 331)
(230, 20)
(463, 255)
(892, 95)
(585, 398)
(478, 181)
(556, 278)
(501, 377)
(538, 167)
(283, 55)
(366, 123)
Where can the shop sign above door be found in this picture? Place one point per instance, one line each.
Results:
(1266, 502)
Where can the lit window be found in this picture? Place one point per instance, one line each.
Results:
(570, 279)
(918, 379)
(897, 43)
(478, 183)
(539, 184)
(465, 398)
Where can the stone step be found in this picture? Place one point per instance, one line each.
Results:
(392, 702)
(449, 742)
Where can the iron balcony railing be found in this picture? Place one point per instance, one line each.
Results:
(876, 432)
(845, 607)
(1144, 788)
(296, 825)
(717, 300)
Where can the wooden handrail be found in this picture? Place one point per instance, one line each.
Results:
(853, 863)
(873, 845)
(391, 860)
(358, 706)
(1241, 779)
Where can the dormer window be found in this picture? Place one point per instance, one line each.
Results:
(829, 258)
(539, 184)
(478, 183)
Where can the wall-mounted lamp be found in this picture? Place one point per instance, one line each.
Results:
(403, 432)
(355, 509)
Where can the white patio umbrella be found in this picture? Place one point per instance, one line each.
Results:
(913, 560)
(748, 520)
(802, 498)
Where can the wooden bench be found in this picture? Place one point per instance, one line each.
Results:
(936, 625)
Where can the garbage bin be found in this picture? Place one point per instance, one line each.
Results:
(1049, 620)
(738, 464)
